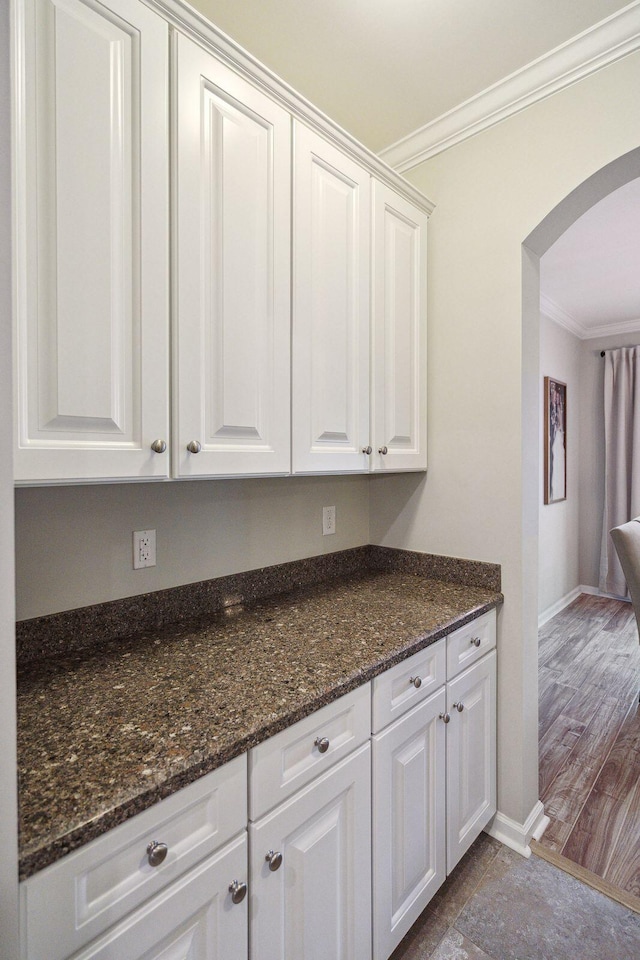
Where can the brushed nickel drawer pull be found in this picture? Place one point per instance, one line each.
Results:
(274, 859)
(238, 891)
(156, 852)
(416, 681)
(322, 744)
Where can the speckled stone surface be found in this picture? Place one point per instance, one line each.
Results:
(107, 732)
(87, 627)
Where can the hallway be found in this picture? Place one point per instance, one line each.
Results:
(589, 729)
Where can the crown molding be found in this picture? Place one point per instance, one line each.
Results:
(554, 312)
(604, 43)
(182, 16)
(611, 329)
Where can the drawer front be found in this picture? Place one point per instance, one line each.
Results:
(195, 919)
(291, 759)
(408, 683)
(72, 901)
(469, 643)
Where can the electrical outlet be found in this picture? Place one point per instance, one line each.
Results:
(328, 520)
(144, 549)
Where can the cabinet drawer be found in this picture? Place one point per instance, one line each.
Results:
(407, 683)
(291, 759)
(194, 919)
(469, 643)
(72, 901)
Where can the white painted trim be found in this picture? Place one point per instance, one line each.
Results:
(596, 592)
(559, 605)
(610, 329)
(554, 312)
(602, 44)
(568, 598)
(199, 28)
(9, 910)
(515, 835)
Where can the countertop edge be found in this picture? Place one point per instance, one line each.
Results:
(31, 862)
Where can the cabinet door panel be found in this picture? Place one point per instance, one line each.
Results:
(399, 360)
(317, 904)
(330, 308)
(471, 756)
(408, 818)
(194, 920)
(92, 241)
(233, 311)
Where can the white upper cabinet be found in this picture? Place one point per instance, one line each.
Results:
(250, 308)
(399, 333)
(331, 241)
(91, 237)
(232, 256)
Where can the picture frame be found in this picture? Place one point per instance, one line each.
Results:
(555, 440)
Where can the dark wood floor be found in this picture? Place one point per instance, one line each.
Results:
(590, 738)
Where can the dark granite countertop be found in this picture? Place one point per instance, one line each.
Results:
(106, 732)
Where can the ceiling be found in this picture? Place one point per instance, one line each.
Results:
(590, 277)
(384, 68)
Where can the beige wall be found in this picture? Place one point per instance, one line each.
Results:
(559, 529)
(8, 772)
(73, 544)
(592, 450)
(490, 193)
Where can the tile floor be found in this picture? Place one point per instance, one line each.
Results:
(498, 906)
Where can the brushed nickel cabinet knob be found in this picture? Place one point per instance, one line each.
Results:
(383, 450)
(156, 852)
(158, 446)
(459, 707)
(194, 446)
(238, 891)
(367, 450)
(445, 717)
(274, 859)
(475, 641)
(322, 744)
(416, 681)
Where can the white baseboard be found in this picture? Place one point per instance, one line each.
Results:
(515, 835)
(568, 598)
(559, 605)
(596, 592)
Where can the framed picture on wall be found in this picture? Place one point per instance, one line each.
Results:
(555, 440)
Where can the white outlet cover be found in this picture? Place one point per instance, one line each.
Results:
(328, 520)
(144, 549)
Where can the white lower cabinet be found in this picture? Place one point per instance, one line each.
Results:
(471, 756)
(408, 813)
(359, 812)
(195, 919)
(155, 886)
(434, 772)
(310, 870)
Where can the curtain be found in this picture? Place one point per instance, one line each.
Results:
(622, 457)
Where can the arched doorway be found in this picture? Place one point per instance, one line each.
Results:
(600, 185)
